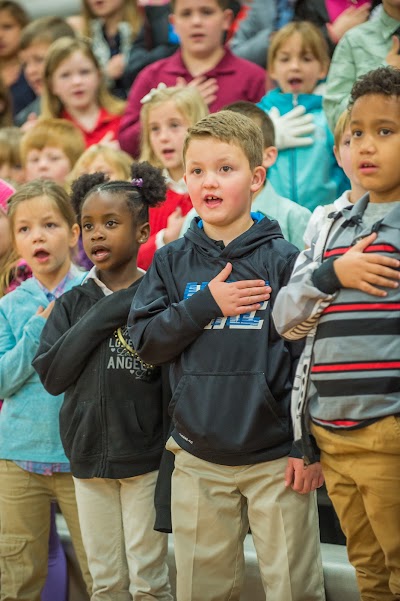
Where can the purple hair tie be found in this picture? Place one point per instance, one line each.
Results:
(137, 182)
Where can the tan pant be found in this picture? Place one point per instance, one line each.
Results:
(209, 507)
(127, 558)
(362, 472)
(24, 529)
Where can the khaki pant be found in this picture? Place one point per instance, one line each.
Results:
(362, 472)
(127, 558)
(210, 503)
(25, 500)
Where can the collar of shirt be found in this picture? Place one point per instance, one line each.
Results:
(60, 288)
(178, 187)
(386, 24)
(93, 275)
(103, 118)
(176, 66)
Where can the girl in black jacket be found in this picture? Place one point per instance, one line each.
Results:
(113, 421)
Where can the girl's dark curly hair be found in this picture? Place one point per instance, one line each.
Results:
(147, 189)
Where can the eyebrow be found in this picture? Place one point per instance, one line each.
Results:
(106, 215)
(43, 218)
(383, 121)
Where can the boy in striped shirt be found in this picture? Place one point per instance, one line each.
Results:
(344, 298)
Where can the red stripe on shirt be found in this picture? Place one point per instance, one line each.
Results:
(342, 307)
(341, 250)
(361, 365)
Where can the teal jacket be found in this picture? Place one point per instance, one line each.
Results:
(29, 423)
(292, 218)
(308, 175)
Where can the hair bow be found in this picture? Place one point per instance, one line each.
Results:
(137, 182)
(153, 91)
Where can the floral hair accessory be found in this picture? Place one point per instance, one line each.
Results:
(153, 91)
(137, 182)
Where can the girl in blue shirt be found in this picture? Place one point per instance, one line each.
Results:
(33, 467)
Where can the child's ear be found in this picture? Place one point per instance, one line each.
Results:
(74, 235)
(337, 156)
(270, 155)
(142, 232)
(228, 19)
(258, 178)
(324, 71)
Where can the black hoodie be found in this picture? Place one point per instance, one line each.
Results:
(231, 378)
(113, 420)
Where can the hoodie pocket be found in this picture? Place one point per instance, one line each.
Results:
(81, 435)
(229, 413)
(133, 425)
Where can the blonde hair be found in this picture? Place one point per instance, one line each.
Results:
(188, 102)
(58, 133)
(312, 38)
(58, 52)
(119, 160)
(8, 263)
(231, 128)
(131, 14)
(35, 189)
(45, 30)
(341, 125)
(10, 145)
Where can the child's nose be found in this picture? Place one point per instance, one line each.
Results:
(97, 233)
(37, 233)
(367, 144)
(294, 63)
(210, 180)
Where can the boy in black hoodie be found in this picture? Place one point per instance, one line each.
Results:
(205, 306)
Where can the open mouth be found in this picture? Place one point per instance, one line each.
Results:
(295, 82)
(212, 201)
(41, 254)
(100, 253)
(367, 167)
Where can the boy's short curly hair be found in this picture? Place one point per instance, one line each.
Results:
(384, 81)
(232, 128)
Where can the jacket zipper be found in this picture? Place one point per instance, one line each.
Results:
(293, 158)
(103, 420)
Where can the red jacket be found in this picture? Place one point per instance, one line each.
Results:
(238, 79)
(158, 218)
(105, 123)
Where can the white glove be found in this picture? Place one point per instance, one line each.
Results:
(291, 127)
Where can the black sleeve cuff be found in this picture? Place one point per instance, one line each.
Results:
(325, 279)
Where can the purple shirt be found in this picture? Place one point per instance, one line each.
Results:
(238, 79)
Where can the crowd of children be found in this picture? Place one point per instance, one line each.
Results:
(199, 275)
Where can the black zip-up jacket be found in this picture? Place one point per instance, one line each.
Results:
(231, 378)
(113, 421)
